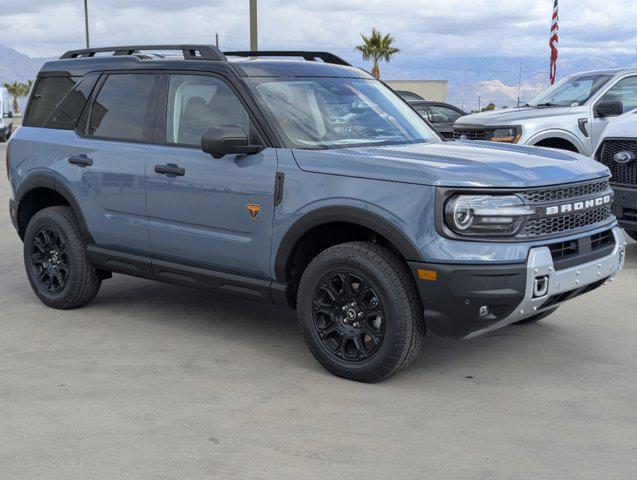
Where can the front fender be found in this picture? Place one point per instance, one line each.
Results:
(357, 215)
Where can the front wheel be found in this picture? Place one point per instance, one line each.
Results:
(359, 312)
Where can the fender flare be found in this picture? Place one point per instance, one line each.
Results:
(562, 134)
(354, 215)
(53, 181)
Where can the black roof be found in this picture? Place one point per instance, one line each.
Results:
(203, 58)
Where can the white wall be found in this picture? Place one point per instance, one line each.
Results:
(435, 90)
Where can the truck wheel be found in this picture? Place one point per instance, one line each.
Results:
(632, 234)
(56, 262)
(359, 312)
(536, 318)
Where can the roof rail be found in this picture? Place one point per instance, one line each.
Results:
(190, 52)
(310, 56)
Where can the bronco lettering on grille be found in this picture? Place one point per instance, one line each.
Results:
(578, 206)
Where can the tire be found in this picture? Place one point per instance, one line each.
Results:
(387, 310)
(3, 137)
(56, 262)
(536, 318)
(632, 234)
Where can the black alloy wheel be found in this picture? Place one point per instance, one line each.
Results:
(348, 315)
(50, 259)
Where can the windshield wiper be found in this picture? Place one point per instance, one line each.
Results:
(548, 104)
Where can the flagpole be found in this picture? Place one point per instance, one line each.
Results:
(86, 22)
(553, 41)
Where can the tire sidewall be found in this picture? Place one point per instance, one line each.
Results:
(395, 318)
(53, 220)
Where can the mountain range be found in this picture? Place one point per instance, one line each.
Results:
(473, 81)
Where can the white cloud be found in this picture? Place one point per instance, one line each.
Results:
(423, 29)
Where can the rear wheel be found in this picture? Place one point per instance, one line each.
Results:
(359, 312)
(56, 262)
(537, 318)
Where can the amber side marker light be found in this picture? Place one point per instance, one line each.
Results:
(427, 274)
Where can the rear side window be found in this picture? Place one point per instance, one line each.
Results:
(123, 109)
(47, 93)
(67, 112)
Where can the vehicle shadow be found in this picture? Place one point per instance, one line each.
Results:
(273, 331)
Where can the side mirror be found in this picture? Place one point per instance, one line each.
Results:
(8, 114)
(227, 140)
(609, 109)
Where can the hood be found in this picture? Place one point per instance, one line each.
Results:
(453, 164)
(623, 126)
(511, 116)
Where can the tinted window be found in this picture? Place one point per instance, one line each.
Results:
(196, 103)
(122, 109)
(440, 114)
(68, 110)
(47, 93)
(624, 91)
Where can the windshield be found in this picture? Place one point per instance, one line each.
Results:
(339, 112)
(570, 91)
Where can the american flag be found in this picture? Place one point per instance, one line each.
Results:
(553, 43)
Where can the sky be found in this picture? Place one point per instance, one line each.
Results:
(431, 29)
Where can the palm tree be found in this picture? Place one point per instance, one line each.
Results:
(377, 47)
(15, 89)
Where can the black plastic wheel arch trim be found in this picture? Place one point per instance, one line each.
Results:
(52, 181)
(345, 214)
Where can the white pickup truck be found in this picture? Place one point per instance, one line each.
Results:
(570, 115)
(617, 149)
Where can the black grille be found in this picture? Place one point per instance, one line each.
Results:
(471, 133)
(585, 249)
(625, 174)
(538, 227)
(630, 214)
(566, 192)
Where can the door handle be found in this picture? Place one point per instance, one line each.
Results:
(81, 160)
(170, 169)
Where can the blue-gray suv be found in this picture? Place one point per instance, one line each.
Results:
(296, 179)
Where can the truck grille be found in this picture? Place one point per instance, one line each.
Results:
(471, 133)
(563, 193)
(624, 174)
(543, 226)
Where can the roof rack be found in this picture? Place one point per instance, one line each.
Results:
(190, 52)
(310, 56)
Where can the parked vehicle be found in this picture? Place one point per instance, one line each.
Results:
(6, 120)
(618, 151)
(409, 96)
(303, 183)
(441, 115)
(570, 115)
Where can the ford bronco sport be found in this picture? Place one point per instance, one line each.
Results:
(303, 182)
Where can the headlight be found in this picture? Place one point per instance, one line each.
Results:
(506, 135)
(486, 215)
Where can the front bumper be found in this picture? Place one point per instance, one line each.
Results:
(13, 212)
(625, 206)
(468, 301)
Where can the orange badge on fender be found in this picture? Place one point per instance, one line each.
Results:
(253, 210)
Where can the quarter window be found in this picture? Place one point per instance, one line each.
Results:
(624, 91)
(196, 103)
(123, 108)
(47, 93)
